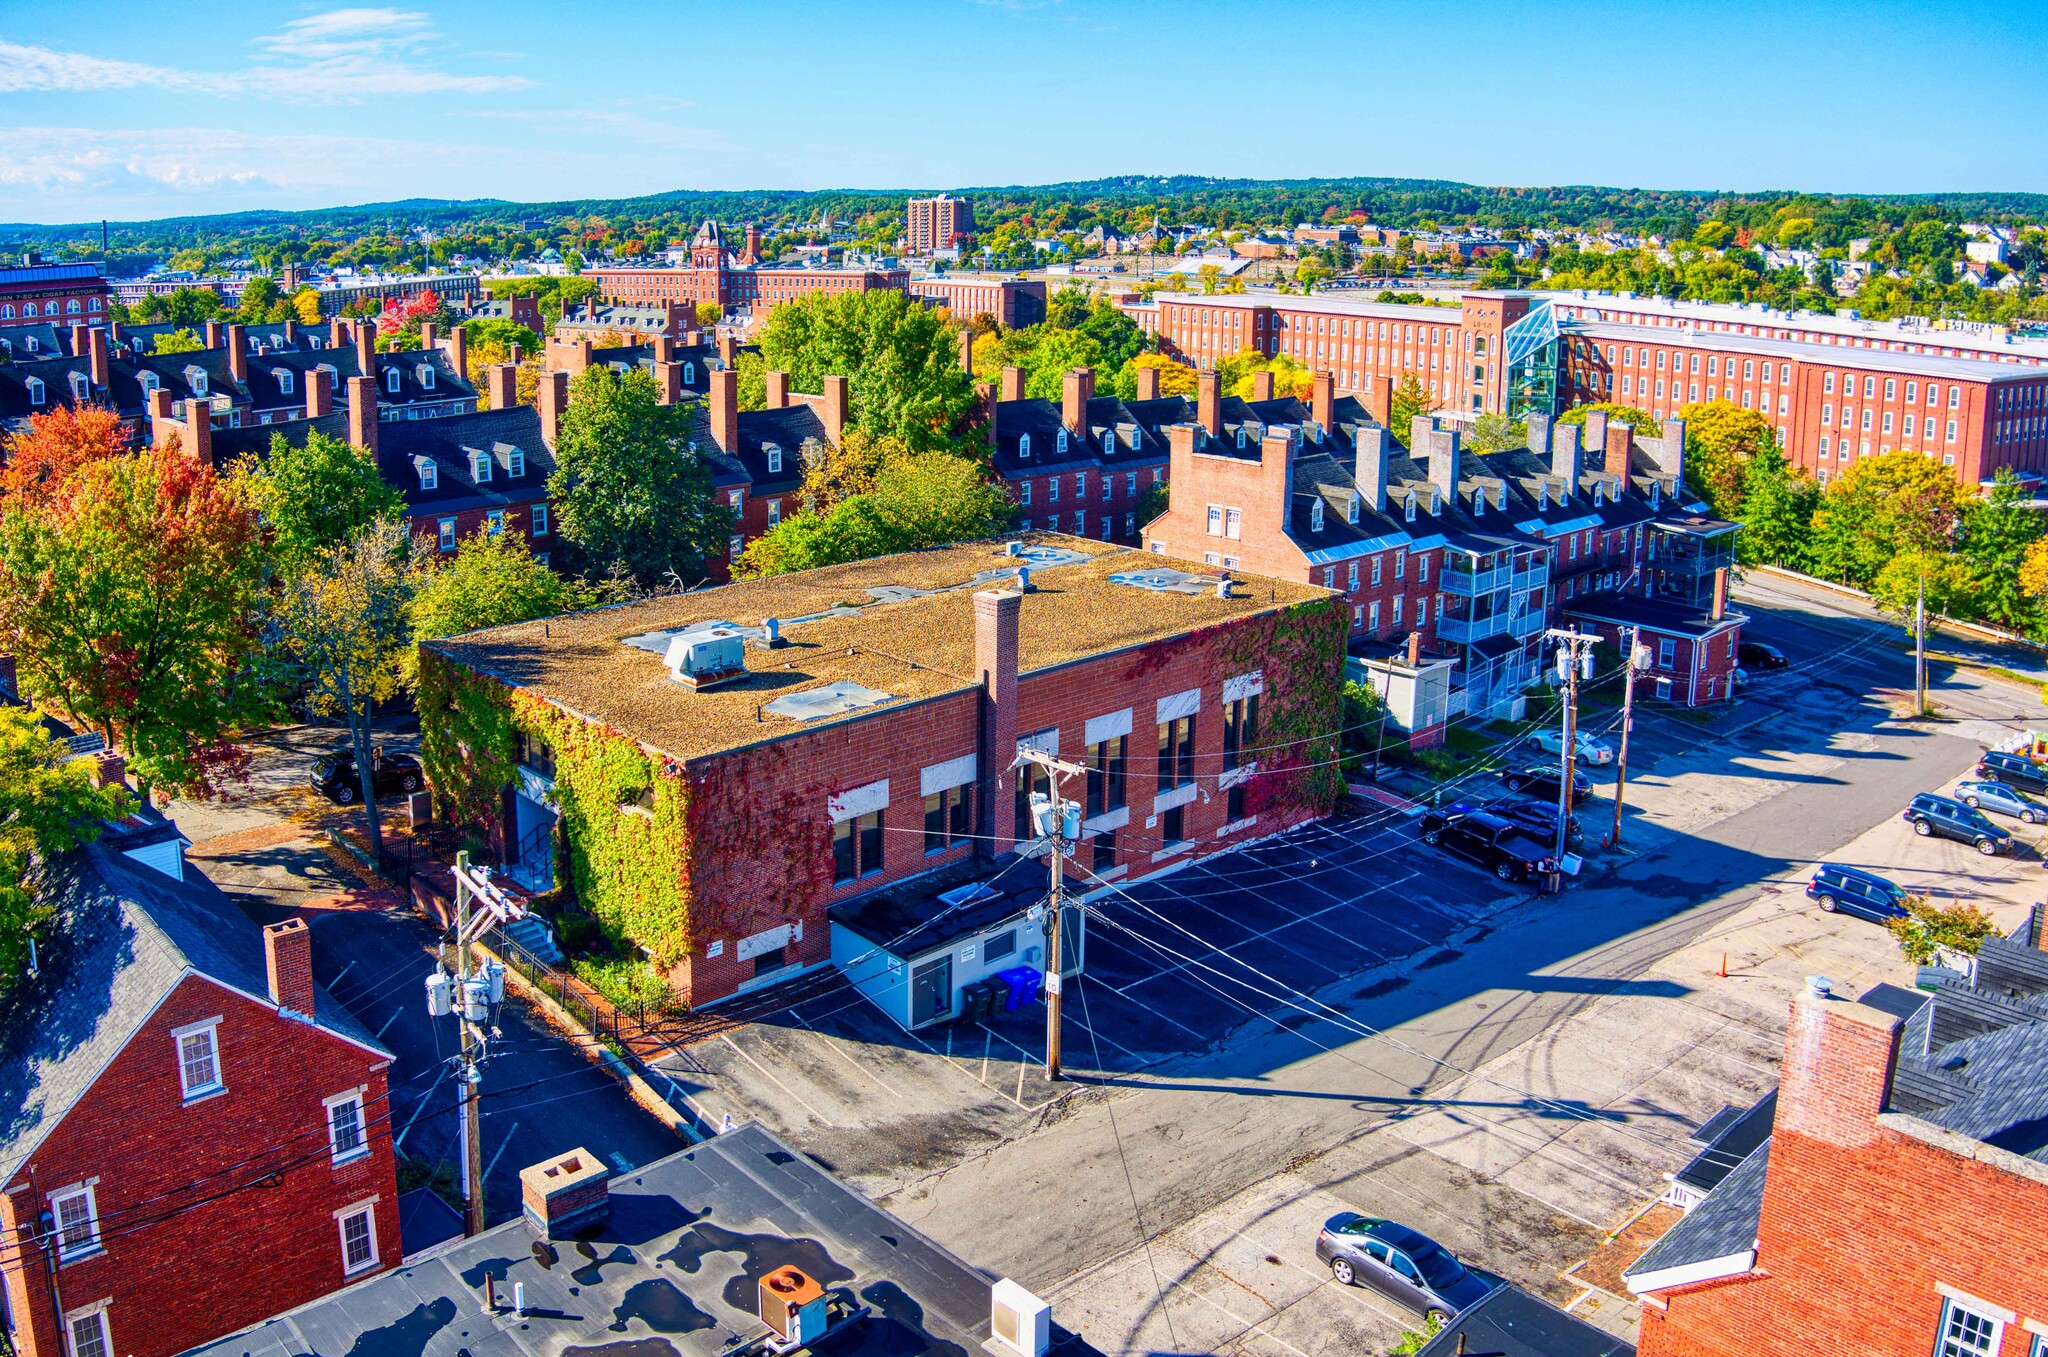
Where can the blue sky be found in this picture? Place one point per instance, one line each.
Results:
(140, 110)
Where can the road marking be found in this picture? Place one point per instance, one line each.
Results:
(511, 1131)
(418, 1108)
(833, 1047)
(726, 1037)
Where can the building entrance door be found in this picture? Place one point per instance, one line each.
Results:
(931, 991)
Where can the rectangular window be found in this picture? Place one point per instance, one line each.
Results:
(1375, 572)
(1233, 523)
(198, 1060)
(358, 1240)
(1176, 752)
(346, 1136)
(447, 526)
(76, 1218)
(1102, 851)
(1397, 610)
(948, 818)
(1233, 804)
(1173, 825)
(495, 520)
(1240, 730)
(1667, 655)
(1052, 490)
(540, 520)
(1965, 1333)
(89, 1335)
(1108, 765)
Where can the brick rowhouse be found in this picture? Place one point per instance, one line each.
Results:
(866, 753)
(199, 1136)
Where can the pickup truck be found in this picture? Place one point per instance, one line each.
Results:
(1501, 846)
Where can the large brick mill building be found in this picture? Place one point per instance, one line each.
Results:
(737, 280)
(823, 792)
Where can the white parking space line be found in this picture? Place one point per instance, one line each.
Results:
(499, 1153)
(726, 1037)
(833, 1046)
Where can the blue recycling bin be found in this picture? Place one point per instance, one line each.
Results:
(1024, 984)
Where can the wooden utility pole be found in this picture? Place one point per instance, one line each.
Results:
(1631, 661)
(1920, 648)
(1051, 823)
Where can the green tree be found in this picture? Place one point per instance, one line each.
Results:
(633, 496)
(1153, 502)
(259, 296)
(900, 359)
(342, 633)
(315, 495)
(492, 581)
(1999, 528)
(504, 334)
(1880, 508)
(177, 341)
(1496, 433)
(1777, 511)
(48, 805)
(1055, 353)
(1720, 439)
(1645, 424)
(918, 501)
(1411, 398)
(130, 600)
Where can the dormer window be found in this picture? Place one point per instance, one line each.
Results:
(149, 382)
(316, 342)
(515, 463)
(1599, 498)
(774, 459)
(195, 378)
(1543, 503)
(689, 374)
(1060, 443)
(1240, 437)
(430, 473)
(1478, 500)
(425, 372)
(1023, 447)
(1654, 489)
(35, 391)
(1409, 507)
(480, 467)
(284, 380)
(391, 380)
(1351, 510)
(1315, 516)
(1500, 498)
(81, 386)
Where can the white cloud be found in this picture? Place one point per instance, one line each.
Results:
(339, 55)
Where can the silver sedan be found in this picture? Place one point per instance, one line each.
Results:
(2000, 799)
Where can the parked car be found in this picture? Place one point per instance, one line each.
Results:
(1501, 846)
(2015, 770)
(1407, 1267)
(1855, 891)
(1537, 819)
(1942, 816)
(1757, 655)
(1589, 749)
(2002, 800)
(334, 775)
(1542, 783)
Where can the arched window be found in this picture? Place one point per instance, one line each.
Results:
(7, 312)
(72, 306)
(690, 379)
(29, 309)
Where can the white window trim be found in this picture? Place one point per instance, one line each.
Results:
(92, 1246)
(341, 1219)
(1973, 1303)
(360, 1096)
(97, 1310)
(178, 1035)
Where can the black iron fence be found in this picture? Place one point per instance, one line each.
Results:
(604, 1020)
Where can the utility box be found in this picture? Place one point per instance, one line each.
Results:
(793, 1304)
(1021, 1321)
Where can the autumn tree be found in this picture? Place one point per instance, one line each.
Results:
(130, 601)
(917, 501)
(48, 805)
(316, 495)
(1175, 377)
(1642, 422)
(36, 462)
(1411, 398)
(632, 494)
(1720, 439)
(900, 359)
(177, 341)
(1882, 507)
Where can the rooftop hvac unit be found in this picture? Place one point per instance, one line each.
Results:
(705, 659)
(1021, 1321)
(793, 1305)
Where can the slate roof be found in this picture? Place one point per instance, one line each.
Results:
(125, 937)
(1974, 1058)
(55, 375)
(746, 463)
(674, 1272)
(699, 362)
(49, 340)
(1719, 1227)
(1739, 1134)
(1044, 420)
(1510, 1322)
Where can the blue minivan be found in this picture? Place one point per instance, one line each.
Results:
(1855, 891)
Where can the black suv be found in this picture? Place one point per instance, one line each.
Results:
(1855, 891)
(1501, 846)
(334, 776)
(1541, 783)
(2014, 770)
(1951, 819)
(1537, 819)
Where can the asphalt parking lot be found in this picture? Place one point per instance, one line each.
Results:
(1176, 968)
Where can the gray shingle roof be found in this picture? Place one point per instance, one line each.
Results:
(1510, 1322)
(1719, 1227)
(126, 936)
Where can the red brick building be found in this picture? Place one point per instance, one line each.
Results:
(194, 1135)
(53, 294)
(837, 756)
(941, 223)
(1900, 1204)
(757, 457)
(1081, 464)
(737, 281)
(1014, 302)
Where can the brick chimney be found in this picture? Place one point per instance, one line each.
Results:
(213, 336)
(319, 393)
(1595, 437)
(362, 413)
(1276, 474)
(1012, 388)
(237, 340)
(838, 408)
(677, 317)
(1148, 384)
(339, 332)
(198, 431)
(102, 366)
(1262, 385)
(1837, 1075)
(668, 383)
(458, 351)
(551, 398)
(430, 335)
(996, 613)
(1669, 451)
(776, 390)
(1369, 469)
(1077, 388)
(501, 381)
(1323, 401)
(1209, 403)
(366, 348)
(1415, 657)
(1379, 399)
(291, 331)
(1567, 462)
(1445, 458)
(288, 958)
(664, 348)
(79, 330)
(1720, 609)
(160, 422)
(725, 409)
(1620, 442)
(1539, 433)
(728, 347)
(967, 353)
(562, 1196)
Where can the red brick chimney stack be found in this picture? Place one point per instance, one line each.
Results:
(458, 351)
(1262, 385)
(1596, 431)
(213, 334)
(1323, 401)
(501, 381)
(430, 335)
(664, 348)
(995, 661)
(319, 393)
(362, 413)
(1077, 388)
(551, 398)
(1620, 442)
(339, 331)
(1720, 599)
(160, 421)
(366, 348)
(288, 958)
(237, 340)
(1379, 399)
(967, 353)
(1837, 1075)
(1148, 384)
(725, 409)
(1209, 403)
(838, 408)
(198, 431)
(79, 330)
(102, 366)
(776, 395)
(1012, 388)
(668, 383)
(728, 347)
